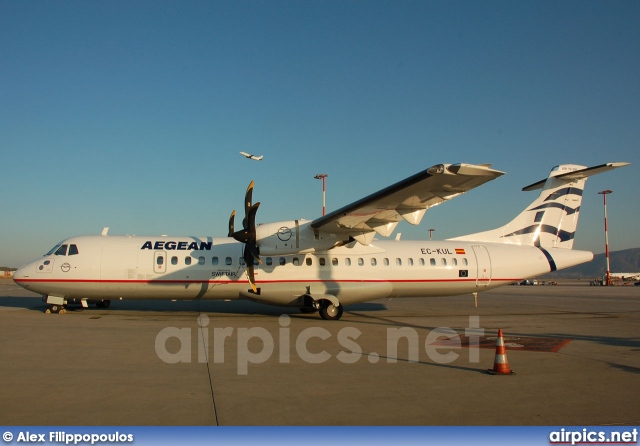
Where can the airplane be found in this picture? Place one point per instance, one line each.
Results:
(335, 260)
(626, 276)
(252, 157)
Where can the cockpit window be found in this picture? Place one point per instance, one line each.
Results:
(62, 251)
(73, 250)
(54, 249)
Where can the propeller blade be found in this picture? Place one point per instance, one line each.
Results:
(248, 260)
(255, 252)
(248, 197)
(251, 219)
(242, 236)
(251, 277)
(231, 223)
(247, 235)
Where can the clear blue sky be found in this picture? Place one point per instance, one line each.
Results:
(131, 114)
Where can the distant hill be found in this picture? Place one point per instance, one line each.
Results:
(625, 261)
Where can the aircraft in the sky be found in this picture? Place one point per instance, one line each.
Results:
(252, 157)
(332, 261)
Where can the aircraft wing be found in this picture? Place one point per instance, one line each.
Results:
(406, 200)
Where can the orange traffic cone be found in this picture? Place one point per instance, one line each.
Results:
(500, 364)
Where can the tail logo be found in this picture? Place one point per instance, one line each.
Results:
(565, 191)
(539, 227)
(567, 209)
(564, 236)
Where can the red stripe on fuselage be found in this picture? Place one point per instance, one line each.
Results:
(98, 281)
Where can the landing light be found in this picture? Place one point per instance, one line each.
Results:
(438, 168)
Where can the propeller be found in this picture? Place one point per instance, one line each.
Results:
(247, 235)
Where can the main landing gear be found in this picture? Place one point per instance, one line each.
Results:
(56, 308)
(329, 311)
(328, 305)
(59, 305)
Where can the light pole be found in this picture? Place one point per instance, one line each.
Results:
(604, 194)
(323, 177)
(431, 233)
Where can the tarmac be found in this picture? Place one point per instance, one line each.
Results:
(414, 361)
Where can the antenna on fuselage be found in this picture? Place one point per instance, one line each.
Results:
(105, 231)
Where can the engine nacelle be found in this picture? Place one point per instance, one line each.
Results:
(292, 237)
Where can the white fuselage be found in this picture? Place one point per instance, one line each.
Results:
(128, 267)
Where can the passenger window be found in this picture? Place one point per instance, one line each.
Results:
(269, 261)
(227, 261)
(464, 261)
(296, 261)
(334, 261)
(386, 262)
(454, 261)
(422, 263)
(398, 262)
(160, 260)
(444, 262)
(432, 261)
(283, 261)
(309, 261)
(374, 261)
(73, 250)
(174, 260)
(360, 261)
(200, 260)
(62, 251)
(410, 261)
(241, 261)
(347, 261)
(187, 260)
(322, 261)
(214, 260)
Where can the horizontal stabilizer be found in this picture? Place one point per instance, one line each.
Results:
(577, 174)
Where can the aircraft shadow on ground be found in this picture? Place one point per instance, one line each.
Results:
(603, 340)
(240, 307)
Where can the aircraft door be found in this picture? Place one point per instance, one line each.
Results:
(483, 266)
(159, 262)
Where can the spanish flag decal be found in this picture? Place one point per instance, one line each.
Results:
(460, 251)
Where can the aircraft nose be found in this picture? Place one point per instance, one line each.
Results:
(20, 274)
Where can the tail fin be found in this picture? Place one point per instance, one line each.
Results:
(551, 220)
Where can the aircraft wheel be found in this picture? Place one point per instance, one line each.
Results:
(54, 308)
(330, 312)
(103, 304)
(307, 310)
